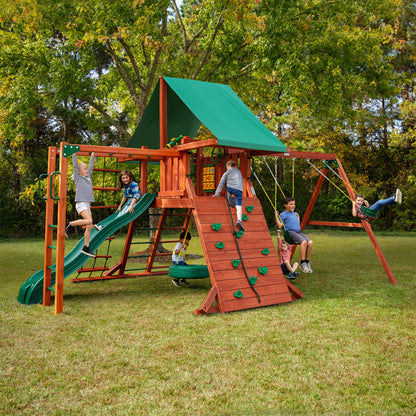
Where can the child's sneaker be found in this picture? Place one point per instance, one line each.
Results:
(290, 276)
(86, 250)
(398, 196)
(240, 225)
(184, 282)
(304, 267)
(176, 282)
(68, 229)
(230, 200)
(309, 268)
(295, 274)
(98, 227)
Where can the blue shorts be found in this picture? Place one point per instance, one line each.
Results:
(238, 195)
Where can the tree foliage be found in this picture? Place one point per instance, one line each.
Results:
(323, 75)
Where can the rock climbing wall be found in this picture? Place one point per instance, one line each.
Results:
(244, 268)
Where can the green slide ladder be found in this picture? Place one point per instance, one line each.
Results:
(31, 291)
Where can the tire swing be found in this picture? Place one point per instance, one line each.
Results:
(191, 271)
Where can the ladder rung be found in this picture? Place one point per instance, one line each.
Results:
(50, 288)
(52, 267)
(178, 215)
(52, 247)
(143, 242)
(92, 269)
(52, 226)
(169, 241)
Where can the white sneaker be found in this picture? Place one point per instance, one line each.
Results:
(304, 267)
(98, 227)
(309, 268)
(398, 196)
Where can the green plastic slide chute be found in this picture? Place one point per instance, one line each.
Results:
(31, 291)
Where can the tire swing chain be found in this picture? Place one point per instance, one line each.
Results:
(239, 252)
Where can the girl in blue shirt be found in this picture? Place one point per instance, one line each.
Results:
(131, 190)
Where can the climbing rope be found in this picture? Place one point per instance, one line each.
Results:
(239, 252)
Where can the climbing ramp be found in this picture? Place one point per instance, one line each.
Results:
(244, 267)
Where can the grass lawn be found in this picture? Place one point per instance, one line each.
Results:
(134, 347)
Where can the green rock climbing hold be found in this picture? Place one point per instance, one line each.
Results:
(239, 234)
(266, 251)
(220, 244)
(236, 263)
(216, 227)
(238, 294)
(263, 270)
(249, 208)
(244, 217)
(253, 280)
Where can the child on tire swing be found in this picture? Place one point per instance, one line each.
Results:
(291, 222)
(233, 180)
(178, 256)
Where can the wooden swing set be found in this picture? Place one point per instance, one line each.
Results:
(244, 269)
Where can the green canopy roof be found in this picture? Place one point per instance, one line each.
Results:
(192, 103)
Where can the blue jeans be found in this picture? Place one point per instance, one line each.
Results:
(380, 204)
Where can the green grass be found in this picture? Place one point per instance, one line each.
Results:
(130, 347)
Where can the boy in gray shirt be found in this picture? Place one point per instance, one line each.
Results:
(84, 195)
(233, 180)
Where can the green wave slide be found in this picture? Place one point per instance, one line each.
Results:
(31, 291)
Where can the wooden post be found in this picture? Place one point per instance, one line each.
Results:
(47, 262)
(143, 174)
(60, 246)
(314, 197)
(163, 129)
(367, 227)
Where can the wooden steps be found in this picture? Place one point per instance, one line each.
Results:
(228, 281)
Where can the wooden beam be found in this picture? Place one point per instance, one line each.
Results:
(296, 154)
(336, 224)
(129, 153)
(196, 144)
